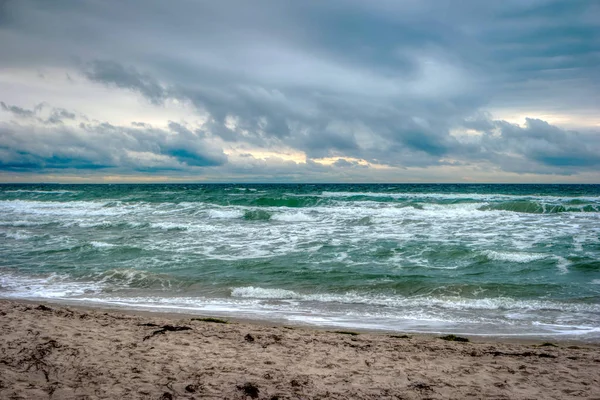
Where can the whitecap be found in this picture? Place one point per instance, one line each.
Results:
(19, 235)
(516, 257)
(292, 217)
(225, 214)
(167, 226)
(41, 191)
(562, 264)
(262, 293)
(101, 245)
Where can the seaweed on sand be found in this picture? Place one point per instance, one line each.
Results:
(211, 319)
(347, 333)
(454, 338)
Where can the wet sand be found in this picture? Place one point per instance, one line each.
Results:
(57, 352)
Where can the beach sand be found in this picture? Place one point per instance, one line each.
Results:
(58, 352)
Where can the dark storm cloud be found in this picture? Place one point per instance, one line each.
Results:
(385, 81)
(540, 144)
(112, 73)
(94, 146)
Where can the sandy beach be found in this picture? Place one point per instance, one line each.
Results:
(58, 352)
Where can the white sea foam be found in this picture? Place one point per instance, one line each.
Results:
(407, 320)
(85, 223)
(169, 226)
(22, 223)
(225, 214)
(454, 196)
(51, 287)
(562, 264)
(514, 256)
(447, 302)
(19, 235)
(102, 245)
(125, 277)
(261, 293)
(292, 217)
(65, 209)
(42, 191)
(421, 314)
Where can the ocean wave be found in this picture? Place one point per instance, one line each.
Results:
(456, 196)
(132, 278)
(225, 214)
(23, 223)
(19, 235)
(66, 285)
(292, 217)
(262, 293)
(284, 201)
(170, 226)
(69, 208)
(102, 245)
(257, 215)
(515, 257)
(562, 264)
(54, 286)
(533, 207)
(40, 191)
(520, 323)
(448, 302)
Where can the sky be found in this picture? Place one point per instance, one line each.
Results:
(300, 91)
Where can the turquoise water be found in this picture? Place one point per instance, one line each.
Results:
(475, 259)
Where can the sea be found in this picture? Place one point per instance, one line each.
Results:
(472, 259)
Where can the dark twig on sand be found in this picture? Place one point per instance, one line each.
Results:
(523, 354)
(167, 328)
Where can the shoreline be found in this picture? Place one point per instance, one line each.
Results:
(49, 350)
(175, 315)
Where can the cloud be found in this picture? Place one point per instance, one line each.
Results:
(53, 116)
(91, 146)
(58, 115)
(540, 147)
(113, 73)
(18, 111)
(387, 82)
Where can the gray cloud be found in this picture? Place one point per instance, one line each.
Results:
(112, 73)
(382, 81)
(54, 115)
(58, 115)
(95, 146)
(18, 111)
(540, 147)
